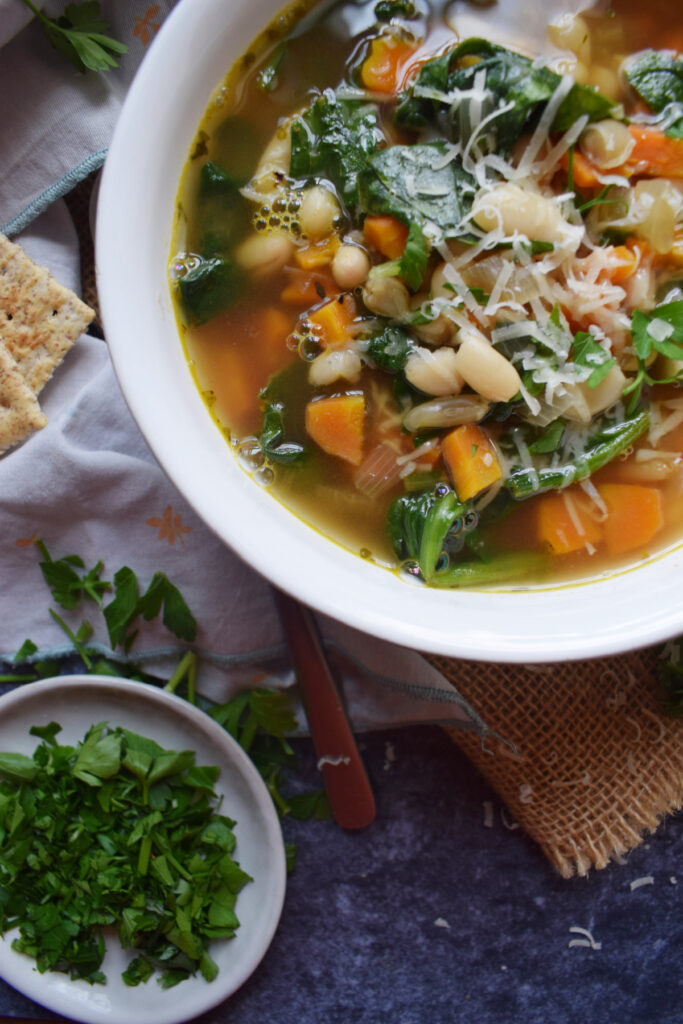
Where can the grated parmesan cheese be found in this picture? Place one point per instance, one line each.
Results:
(638, 883)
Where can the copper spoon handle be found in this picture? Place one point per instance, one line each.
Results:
(346, 782)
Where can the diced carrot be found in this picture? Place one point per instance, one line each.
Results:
(332, 321)
(384, 67)
(318, 254)
(675, 253)
(634, 516)
(471, 460)
(626, 267)
(336, 425)
(583, 171)
(564, 524)
(304, 289)
(386, 234)
(654, 153)
(273, 327)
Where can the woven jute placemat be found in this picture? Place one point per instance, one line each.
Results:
(591, 764)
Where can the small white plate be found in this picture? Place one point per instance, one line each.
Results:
(76, 703)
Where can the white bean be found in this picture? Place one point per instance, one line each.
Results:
(274, 163)
(435, 373)
(514, 209)
(317, 213)
(439, 331)
(571, 33)
(386, 296)
(485, 370)
(350, 266)
(607, 143)
(333, 364)
(265, 253)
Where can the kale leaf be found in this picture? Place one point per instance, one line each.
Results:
(410, 183)
(658, 80)
(207, 287)
(511, 78)
(333, 139)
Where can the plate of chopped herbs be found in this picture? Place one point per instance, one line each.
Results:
(142, 867)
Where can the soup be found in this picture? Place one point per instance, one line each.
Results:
(430, 282)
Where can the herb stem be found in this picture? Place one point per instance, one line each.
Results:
(187, 666)
(73, 638)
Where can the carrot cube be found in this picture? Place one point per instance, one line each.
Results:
(331, 322)
(386, 234)
(383, 69)
(471, 460)
(634, 515)
(564, 525)
(336, 425)
(305, 289)
(318, 254)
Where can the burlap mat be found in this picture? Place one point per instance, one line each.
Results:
(596, 765)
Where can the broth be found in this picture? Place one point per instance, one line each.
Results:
(389, 427)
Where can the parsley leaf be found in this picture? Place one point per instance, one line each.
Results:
(80, 36)
(162, 594)
(413, 262)
(66, 585)
(587, 352)
(78, 826)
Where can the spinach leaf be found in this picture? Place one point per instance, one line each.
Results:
(658, 80)
(420, 524)
(272, 443)
(511, 79)
(409, 183)
(389, 349)
(334, 139)
(206, 287)
(223, 214)
(385, 10)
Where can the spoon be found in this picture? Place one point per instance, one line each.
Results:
(346, 782)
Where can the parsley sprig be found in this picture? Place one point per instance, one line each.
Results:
(646, 344)
(259, 719)
(80, 35)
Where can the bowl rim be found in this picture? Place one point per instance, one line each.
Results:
(587, 618)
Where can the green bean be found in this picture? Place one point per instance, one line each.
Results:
(514, 566)
(605, 446)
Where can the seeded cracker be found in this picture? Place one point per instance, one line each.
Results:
(39, 322)
(20, 414)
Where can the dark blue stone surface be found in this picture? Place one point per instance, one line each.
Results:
(429, 917)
